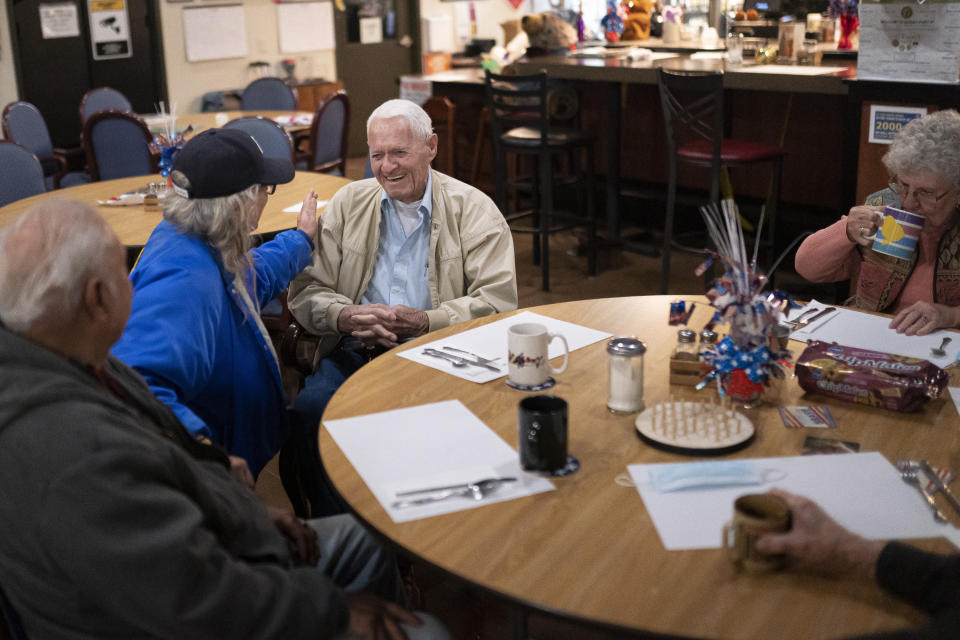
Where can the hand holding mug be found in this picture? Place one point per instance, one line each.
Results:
(862, 224)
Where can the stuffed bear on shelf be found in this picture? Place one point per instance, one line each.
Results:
(637, 23)
(547, 33)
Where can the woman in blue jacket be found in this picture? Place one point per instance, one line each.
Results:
(195, 331)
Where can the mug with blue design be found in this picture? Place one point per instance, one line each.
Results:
(898, 233)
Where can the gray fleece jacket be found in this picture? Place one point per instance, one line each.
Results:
(114, 523)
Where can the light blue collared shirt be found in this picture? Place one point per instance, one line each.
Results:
(400, 273)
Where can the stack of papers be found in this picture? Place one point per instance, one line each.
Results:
(431, 445)
(490, 341)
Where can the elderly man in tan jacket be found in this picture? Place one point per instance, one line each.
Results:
(408, 252)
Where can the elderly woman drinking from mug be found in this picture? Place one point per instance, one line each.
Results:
(923, 291)
(195, 332)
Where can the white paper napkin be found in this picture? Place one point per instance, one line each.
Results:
(490, 341)
(295, 208)
(861, 491)
(865, 331)
(427, 446)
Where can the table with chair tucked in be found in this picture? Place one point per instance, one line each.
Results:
(590, 550)
(133, 224)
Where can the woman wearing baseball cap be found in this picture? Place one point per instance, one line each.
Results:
(195, 331)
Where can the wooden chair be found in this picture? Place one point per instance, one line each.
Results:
(102, 99)
(443, 114)
(692, 105)
(520, 125)
(118, 144)
(273, 140)
(329, 134)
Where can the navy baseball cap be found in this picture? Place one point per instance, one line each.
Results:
(221, 162)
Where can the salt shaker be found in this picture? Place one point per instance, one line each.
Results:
(626, 375)
(686, 345)
(708, 343)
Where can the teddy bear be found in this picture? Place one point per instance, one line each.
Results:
(548, 32)
(637, 23)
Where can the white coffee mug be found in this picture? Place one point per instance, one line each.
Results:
(527, 354)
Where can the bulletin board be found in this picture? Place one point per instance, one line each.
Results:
(305, 26)
(214, 32)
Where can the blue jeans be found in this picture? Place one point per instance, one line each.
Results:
(345, 359)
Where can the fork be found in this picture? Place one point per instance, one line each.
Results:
(910, 474)
(477, 490)
(800, 317)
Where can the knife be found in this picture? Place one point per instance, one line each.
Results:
(451, 487)
(939, 485)
(449, 356)
(803, 324)
(469, 353)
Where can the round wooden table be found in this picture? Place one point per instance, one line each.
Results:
(589, 550)
(211, 119)
(134, 224)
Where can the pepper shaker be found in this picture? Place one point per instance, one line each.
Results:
(626, 375)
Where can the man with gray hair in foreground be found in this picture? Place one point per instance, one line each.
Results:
(398, 255)
(115, 521)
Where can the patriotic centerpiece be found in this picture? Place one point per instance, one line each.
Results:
(169, 142)
(744, 361)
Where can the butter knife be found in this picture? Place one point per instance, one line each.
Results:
(453, 487)
(469, 353)
(823, 313)
(449, 356)
(939, 485)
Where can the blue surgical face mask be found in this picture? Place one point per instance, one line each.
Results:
(691, 475)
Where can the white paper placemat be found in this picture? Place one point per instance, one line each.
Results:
(426, 446)
(865, 331)
(295, 208)
(490, 341)
(861, 491)
(784, 69)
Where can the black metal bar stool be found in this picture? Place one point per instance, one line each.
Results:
(693, 114)
(519, 118)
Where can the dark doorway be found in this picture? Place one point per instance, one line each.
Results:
(54, 73)
(370, 72)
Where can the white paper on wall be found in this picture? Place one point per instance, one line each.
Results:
(909, 41)
(305, 26)
(213, 33)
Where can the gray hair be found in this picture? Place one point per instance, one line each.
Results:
(225, 223)
(46, 257)
(420, 125)
(930, 143)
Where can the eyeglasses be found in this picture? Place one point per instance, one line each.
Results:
(923, 196)
(270, 188)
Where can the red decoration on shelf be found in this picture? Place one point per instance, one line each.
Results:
(848, 24)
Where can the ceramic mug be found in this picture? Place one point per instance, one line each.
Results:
(542, 422)
(527, 351)
(898, 233)
(753, 515)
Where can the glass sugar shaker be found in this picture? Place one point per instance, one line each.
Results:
(626, 374)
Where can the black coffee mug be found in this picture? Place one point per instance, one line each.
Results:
(543, 433)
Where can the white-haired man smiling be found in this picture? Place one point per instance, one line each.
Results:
(406, 252)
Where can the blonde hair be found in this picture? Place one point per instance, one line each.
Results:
(224, 223)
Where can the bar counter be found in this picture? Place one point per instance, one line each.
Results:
(819, 119)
